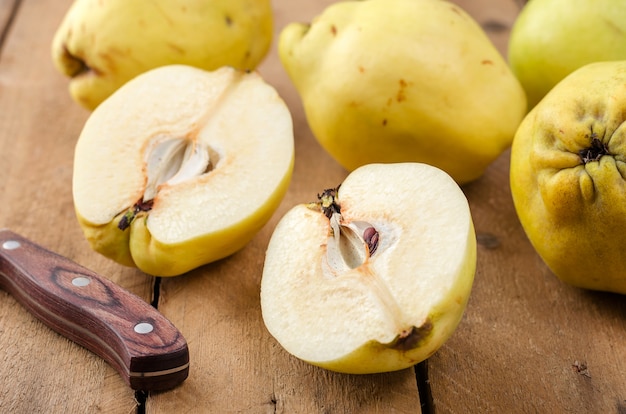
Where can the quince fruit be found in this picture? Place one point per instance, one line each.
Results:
(403, 80)
(552, 38)
(567, 175)
(101, 45)
(374, 276)
(181, 167)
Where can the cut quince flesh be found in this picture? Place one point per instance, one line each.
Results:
(181, 167)
(375, 276)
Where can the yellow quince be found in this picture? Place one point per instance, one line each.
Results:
(101, 45)
(404, 80)
(568, 169)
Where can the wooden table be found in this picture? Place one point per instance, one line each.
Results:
(528, 343)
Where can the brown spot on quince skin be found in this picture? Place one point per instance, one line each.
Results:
(401, 95)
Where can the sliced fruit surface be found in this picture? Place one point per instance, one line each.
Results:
(376, 274)
(182, 166)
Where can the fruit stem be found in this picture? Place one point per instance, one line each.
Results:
(328, 202)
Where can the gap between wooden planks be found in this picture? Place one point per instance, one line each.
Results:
(8, 9)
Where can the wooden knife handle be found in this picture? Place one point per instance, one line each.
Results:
(139, 342)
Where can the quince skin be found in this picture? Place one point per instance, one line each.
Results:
(404, 80)
(552, 38)
(101, 45)
(568, 169)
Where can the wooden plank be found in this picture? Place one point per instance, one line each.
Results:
(42, 371)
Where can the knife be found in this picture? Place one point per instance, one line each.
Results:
(144, 347)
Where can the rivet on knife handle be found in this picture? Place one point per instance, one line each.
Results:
(139, 342)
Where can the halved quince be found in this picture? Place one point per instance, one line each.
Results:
(376, 275)
(181, 167)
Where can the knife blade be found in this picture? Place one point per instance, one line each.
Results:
(143, 346)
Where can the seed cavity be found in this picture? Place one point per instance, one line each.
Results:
(171, 160)
(350, 243)
(168, 161)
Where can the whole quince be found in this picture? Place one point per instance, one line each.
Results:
(552, 38)
(386, 81)
(101, 45)
(568, 169)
